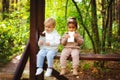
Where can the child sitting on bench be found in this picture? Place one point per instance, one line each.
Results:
(71, 42)
(48, 47)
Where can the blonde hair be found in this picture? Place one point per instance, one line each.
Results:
(51, 21)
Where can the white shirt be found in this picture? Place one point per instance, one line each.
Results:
(53, 38)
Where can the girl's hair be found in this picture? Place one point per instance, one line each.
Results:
(50, 20)
(73, 21)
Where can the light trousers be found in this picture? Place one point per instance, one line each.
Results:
(66, 53)
(49, 54)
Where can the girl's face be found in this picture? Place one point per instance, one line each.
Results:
(49, 27)
(71, 27)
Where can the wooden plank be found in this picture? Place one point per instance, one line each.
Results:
(99, 57)
(37, 12)
(57, 75)
(33, 38)
(22, 63)
(40, 16)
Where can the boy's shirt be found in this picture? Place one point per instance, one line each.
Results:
(53, 38)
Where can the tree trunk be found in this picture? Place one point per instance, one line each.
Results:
(5, 5)
(118, 20)
(109, 36)
(95, 26)
(5, 8)
(66, 9)
(103, 26)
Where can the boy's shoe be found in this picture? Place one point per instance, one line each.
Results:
(75, 72)
(48, 72)
(39, 71)
(63, 71)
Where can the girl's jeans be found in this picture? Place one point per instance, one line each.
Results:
(49, 54)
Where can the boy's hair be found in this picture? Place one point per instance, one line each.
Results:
(73, 21)
(51, 21)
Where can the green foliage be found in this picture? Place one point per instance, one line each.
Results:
(60, 48)
(13, 37)
(14, 33)
(86, 66)
(14, 29)
(6, 44)
(60, 11)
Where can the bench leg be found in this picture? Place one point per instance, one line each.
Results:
(57, 75)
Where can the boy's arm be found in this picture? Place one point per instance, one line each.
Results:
(40, 41)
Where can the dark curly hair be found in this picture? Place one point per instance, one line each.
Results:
(73, 21)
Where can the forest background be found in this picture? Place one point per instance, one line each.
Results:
(98, 20)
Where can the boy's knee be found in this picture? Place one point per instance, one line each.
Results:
(50, 55)
(40, 54)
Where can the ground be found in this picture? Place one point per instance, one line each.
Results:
(87, 71)
(7, 71)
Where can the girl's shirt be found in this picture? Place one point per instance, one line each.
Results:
(78, 41)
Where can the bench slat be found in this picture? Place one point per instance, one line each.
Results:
(99, 57)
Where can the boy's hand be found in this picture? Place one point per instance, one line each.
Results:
(41, 42)
(67, 36)
(47, 44)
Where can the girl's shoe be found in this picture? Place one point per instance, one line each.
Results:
(48, 72)
(75, 72)
(63, 71)
(39, 71)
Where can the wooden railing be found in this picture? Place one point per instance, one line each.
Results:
(22, 63)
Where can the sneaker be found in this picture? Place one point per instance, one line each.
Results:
(75, 72)
(63, 71)
(39, 71)
(48, 72)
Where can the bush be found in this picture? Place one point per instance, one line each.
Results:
(14, 34)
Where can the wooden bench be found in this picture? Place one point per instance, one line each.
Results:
(98, 57)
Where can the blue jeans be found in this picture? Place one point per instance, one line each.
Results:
(49, 54)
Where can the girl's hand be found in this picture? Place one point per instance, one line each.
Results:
(76, 35)
(47, 44)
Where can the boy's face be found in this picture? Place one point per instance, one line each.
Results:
(71, 27)
(49, 27)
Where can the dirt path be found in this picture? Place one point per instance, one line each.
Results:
(112, 71)
(11, 66)
(7, 71)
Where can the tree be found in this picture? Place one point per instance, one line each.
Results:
(109, 36)
(5, 7)
(94, 26)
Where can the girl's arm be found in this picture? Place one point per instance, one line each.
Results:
(79, 39)
(64, 38)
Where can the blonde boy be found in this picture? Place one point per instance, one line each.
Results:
(48, 47)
